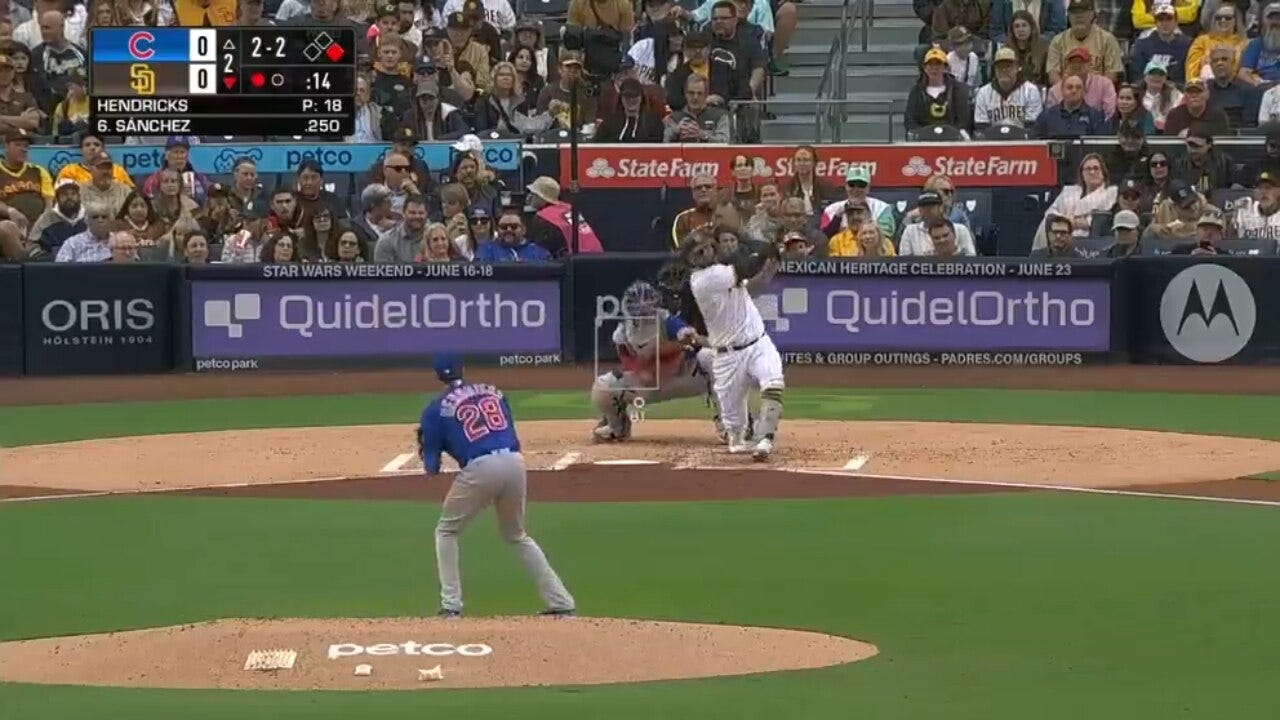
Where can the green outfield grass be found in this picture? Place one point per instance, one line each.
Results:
(994, 606)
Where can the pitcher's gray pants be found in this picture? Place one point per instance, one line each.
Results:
(497, 480)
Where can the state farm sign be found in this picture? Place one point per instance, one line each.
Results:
(908, 165)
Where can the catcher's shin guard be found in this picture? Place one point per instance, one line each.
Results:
(611, 396)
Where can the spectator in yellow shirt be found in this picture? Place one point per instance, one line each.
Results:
(90, 147)
(204, 13)
(1226, 28)
(867, 240)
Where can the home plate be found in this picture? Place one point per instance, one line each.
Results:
(857, 462)
(626, 462)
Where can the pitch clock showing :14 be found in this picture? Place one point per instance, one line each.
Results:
(317, 81)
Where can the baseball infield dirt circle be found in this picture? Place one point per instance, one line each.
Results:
(1050, 455)
(488, 652)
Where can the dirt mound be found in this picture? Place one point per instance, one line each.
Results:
(485, 652)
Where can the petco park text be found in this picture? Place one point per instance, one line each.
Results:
(904, 165)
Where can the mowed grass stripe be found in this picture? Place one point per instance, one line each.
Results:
(983, 606)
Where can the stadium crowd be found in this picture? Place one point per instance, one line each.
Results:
(1197, 70)
(1054, 69)
(428, 72)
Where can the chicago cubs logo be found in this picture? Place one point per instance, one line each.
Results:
(140, 45)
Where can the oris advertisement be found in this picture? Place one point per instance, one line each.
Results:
(403, 318)
(80, 319)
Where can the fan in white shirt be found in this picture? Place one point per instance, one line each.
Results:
(1008, 99)
(915, 237)
(744, 353)
(28, 33)
(1094, 193)
(1259, 218)
(93, 244)
(962, 61)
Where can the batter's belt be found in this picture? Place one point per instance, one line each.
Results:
(734, 348)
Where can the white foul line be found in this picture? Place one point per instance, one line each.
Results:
(566, 460)
(397, 462)
(1037, 486)
(857, 462)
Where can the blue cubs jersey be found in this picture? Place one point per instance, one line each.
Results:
(467, 421)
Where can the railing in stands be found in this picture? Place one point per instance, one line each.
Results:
(833, 86)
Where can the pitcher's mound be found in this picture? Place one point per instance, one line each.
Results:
(485, 652)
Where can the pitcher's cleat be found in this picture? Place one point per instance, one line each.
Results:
(721, 431)
(561, 613)
(446, 614)
(738, 444)
(763, 450)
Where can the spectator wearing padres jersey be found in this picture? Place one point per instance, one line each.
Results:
(1258, 218)
(497, 12)
(1008, 99)
(205, 13)
(26, 190)
(699, 216)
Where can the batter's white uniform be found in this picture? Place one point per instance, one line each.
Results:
(744, 354)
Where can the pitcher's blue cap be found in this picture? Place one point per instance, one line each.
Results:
(448, 368)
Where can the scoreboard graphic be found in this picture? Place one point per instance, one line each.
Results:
(223, 81)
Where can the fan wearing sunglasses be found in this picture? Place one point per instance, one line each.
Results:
(1223, 26)
(512, 245)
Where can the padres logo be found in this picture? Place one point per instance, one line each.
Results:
(142, 79)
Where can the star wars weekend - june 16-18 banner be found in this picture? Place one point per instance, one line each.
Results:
(258, 324)
(914, 313)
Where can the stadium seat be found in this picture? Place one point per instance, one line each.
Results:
(1227, 199)
(938, 133)
(1094, 245)
(1101, 225)
(1240, 246)
(339, 184)
(555, 8)
(1002, 133)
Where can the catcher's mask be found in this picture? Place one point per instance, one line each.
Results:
(640, 305)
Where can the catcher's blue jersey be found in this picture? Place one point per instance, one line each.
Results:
(467, 421)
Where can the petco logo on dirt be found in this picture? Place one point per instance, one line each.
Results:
(341, 650)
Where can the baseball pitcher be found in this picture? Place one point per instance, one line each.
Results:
(473, 423)
(658, 363)
(722, 286)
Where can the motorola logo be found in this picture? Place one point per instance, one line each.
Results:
(1208, 313)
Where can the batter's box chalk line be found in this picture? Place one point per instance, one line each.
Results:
(1028, 486)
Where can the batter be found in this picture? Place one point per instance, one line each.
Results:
(658, 363)
(722, 285)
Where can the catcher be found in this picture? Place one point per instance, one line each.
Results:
(659, 359)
